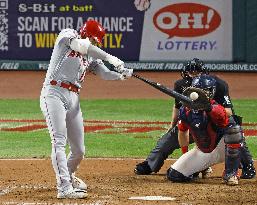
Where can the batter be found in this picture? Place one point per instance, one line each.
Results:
(74, 55)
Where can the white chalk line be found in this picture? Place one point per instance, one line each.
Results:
(44, 203)
(153, 198)
(9, 189)
(90, 158)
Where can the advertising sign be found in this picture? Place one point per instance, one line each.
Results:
(29, 27)
(179, 30)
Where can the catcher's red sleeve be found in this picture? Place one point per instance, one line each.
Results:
(218, 115)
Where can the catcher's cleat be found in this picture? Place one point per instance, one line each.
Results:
(232, 181)
(248, 172)
(206, 173)
(78, 183)
(203, 174)
(72, 193)
(195, 176)
(143, 168)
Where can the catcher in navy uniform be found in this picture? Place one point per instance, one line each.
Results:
(217, 136)
(169, 141)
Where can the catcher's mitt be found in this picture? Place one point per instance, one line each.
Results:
(201, 103)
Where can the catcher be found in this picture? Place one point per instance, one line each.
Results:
(169, 141)
(216, 135)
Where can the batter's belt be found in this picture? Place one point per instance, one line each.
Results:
(68, 86)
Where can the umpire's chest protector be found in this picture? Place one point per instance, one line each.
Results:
(205, 134)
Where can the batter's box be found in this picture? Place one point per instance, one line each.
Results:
(3, 4)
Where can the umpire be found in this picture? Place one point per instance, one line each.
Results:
(169, 141)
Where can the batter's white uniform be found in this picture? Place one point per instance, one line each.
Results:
(61, 107)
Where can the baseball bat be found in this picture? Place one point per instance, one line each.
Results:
(165, 90)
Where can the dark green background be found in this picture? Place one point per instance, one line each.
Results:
(245, 31)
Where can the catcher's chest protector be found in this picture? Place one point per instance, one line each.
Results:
(202, 130)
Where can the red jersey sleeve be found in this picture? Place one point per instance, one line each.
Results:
(182, 126)
(218, 115)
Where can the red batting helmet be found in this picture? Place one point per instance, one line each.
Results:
(92, 28)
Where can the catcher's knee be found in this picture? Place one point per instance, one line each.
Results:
(175, 176)
(233, 137)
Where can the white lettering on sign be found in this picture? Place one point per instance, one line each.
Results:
(121, 24)
(32, 23)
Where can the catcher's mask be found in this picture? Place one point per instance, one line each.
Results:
(194, 66)
(206, 83)
(92, 29)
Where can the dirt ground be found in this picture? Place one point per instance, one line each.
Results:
(112, 181)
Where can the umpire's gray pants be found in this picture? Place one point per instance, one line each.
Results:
(165, 146)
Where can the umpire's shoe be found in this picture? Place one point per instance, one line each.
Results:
(143, 168)
(248, 172)
(72, 193)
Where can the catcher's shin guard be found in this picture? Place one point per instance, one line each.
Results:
(233, 139)
(247, 165)
(232, 160)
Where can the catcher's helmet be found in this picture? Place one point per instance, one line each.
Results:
(205, 82)
(92, 28)
(192, 66)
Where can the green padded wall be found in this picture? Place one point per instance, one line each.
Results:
(245, 31)
(251, 31)
(239, 16)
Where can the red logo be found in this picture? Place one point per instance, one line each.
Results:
(186, 20)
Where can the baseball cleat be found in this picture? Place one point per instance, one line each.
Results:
(78, 183)
(72, 193)
(206, 173)
(142, 168)
(232, 181)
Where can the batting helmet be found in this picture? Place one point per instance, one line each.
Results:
(205, 82)
(191, 66)
(93, 29)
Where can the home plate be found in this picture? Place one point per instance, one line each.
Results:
(153, 198)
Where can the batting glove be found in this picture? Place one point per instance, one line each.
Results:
(127, 73)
